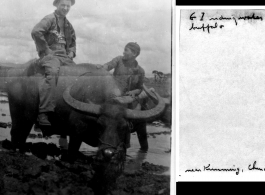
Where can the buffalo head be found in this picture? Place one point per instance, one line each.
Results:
(114, 119)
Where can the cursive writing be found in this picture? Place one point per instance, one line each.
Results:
(207, 27)
(208, 168)
(193, 170)
(224, 18)
(204, 27)
(252, 17)
(253, 166)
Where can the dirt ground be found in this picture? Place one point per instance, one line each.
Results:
(28, 174)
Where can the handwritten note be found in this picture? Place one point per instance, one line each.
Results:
(222, 94)
(236, 170)
(206, 26)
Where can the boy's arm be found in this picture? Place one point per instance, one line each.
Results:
(139, 87)
(112, 64)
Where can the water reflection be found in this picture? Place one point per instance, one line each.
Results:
(138, 160)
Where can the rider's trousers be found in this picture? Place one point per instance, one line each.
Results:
(51, 64)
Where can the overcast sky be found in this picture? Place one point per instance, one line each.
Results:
(102, 28)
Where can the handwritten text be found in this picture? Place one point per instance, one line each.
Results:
(206, 26)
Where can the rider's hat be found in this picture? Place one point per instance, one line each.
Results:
(57, 1)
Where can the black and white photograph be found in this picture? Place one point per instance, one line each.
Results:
(86, 97)
(221, 94)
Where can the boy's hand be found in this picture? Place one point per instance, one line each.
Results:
(132, 93)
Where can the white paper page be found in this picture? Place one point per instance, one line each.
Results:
(221, 94)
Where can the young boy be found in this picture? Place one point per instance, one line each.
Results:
(130, 78)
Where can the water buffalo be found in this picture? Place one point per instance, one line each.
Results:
(85, 109)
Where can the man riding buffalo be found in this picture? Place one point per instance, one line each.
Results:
(55, 41)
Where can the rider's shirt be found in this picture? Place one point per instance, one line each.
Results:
(126, 77)
(48, 34)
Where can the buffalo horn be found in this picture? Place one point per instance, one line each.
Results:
(124, 99)
(144, 94)
(147, 115)
(81, 106)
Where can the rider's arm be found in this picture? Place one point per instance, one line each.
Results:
(38, 35)
(72, 46)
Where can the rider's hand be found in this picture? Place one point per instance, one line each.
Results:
(71, 55)
(48, 51)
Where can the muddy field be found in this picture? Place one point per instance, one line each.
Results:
(46, 173)
(28, 174)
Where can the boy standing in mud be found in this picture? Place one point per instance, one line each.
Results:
(55, 41)
(130, 78)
